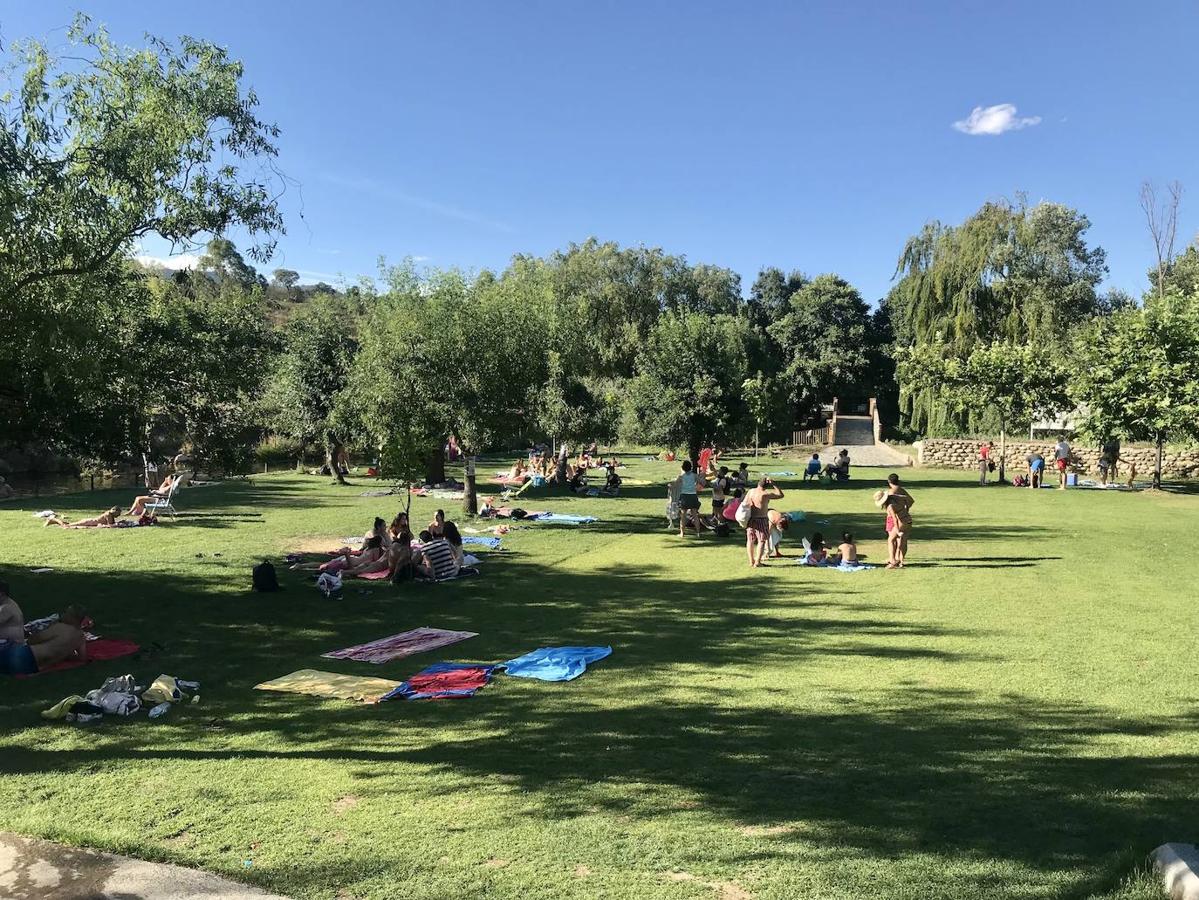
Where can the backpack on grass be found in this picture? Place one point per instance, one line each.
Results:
(264, 577)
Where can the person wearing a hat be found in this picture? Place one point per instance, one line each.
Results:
(898, 505)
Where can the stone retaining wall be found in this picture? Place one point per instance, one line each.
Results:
(953, 453)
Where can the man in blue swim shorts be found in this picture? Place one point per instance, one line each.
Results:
(18, 656)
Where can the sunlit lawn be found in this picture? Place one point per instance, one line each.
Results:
(1014, 716)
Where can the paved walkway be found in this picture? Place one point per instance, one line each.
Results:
(43, 870)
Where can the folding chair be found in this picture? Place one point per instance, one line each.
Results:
(165, 504)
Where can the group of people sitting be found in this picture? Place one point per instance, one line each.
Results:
(542, 466)
(837, 470)
(28, 647)
(435, 554)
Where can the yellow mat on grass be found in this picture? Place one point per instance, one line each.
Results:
(330, 684)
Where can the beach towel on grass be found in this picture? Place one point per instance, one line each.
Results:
(330, 684)
(492, 543)
(563, 518)
(555, 663)
(99, 650)
(397, 646)
(443, 680)
(840, 567)
(374, 576)
(782, 474)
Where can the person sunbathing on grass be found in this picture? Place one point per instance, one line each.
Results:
(847, 551)
(518, 472)
(22, 654)
(401, 559)
(399, 525)
(104, 520)
(379, 530)
(437, 526)
(374, 558)
(162, 491)
(437, 560)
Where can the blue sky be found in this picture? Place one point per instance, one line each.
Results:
(815, 136)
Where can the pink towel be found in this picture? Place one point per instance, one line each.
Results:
(375, 576)
(397, 646)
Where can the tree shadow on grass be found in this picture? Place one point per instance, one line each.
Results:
(893, 771)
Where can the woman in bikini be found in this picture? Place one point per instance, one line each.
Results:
(104, 520)
(898, 505)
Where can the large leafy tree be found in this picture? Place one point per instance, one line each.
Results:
(1010, 272)
(688, 382)
(1136, 373)
(1013, 382)
(97, 151)
(823, 342)
(319, 346)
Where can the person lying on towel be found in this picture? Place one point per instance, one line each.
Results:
(22, 654)
(104, 520)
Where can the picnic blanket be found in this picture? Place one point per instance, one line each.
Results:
(98, 650)
(555, 663)
(840, 567)
(330, 684)
(782, 474)
(397, 646)
(492, 543)
(562, 518)
(381, 575)
(443, 680)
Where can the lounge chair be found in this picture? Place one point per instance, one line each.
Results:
(510, 494)
(165, 504)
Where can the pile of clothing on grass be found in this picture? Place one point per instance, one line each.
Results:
(122, 696)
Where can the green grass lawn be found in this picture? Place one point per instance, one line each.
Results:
(1013, 716)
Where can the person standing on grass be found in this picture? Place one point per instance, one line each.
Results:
(720, 491)
(757, 529)
(984, 461)
(1036, 468)
(688, 485)
(897, 503)
(1061, 461)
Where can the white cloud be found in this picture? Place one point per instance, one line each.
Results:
(995, 120)
(173, 263)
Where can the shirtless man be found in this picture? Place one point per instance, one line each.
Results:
(757, 530)
(21, 656)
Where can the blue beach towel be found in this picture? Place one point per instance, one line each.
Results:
(491, 543)
(840, 567)
(565, 518)
(555, 663)
(781, 474)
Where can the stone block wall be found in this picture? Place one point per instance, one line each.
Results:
(958, 453)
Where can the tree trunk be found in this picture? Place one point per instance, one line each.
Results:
(693, 446)
(755, 441)
(1157, 469)
(333, 449)
(408, 504)
(1002, 449)
(470, 499)
(435, 466)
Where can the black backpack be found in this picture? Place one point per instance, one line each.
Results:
(265, 579)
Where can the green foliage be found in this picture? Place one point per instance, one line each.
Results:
(687, 387)
(823, 341)
(1010, 273)
(97, 151)
(1136, 374)
(123, 143)
(319, 347)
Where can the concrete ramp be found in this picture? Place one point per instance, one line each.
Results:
(856, 434)
(44, 870)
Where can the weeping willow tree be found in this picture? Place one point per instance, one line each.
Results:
(1012, 273)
